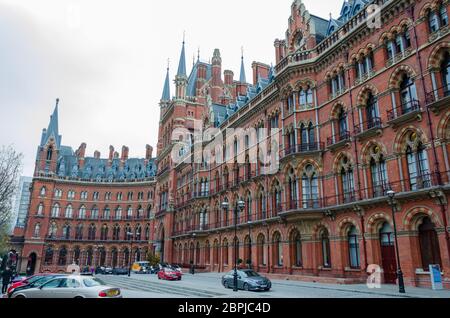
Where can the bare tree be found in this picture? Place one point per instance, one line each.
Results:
(10, 170)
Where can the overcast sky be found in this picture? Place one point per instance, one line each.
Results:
(106, 60)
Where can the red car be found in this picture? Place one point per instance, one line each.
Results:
(26, 281)
(168, 274)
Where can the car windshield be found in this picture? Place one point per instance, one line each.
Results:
(42, 280)
(93, 282)
(251, 274)
(33, 279)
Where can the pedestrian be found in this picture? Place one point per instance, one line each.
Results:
(6, 279)
(192, 268)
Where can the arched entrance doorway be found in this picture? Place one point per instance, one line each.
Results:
(429, 244)
(389, 263)
(31, 265)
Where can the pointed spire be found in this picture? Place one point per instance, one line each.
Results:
(166, 91)
(182, 65)
(242, 78)
(53, 129)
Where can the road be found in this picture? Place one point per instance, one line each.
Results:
(209, 286)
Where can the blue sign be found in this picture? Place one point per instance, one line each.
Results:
(436, 277)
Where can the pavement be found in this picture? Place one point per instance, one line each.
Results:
(209, 286)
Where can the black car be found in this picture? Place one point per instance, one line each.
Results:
(120, 271)
(104, 270)
(248, 280)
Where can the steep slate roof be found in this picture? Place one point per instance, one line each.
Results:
(182, 64)
(52, 130)
(166, 90)
(191, 89)
(349, 9)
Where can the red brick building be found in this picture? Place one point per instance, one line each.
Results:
(361, 110)
(86, 210)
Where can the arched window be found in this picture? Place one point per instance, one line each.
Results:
(92, 232)
(207, 253)
(418, 168)
(429, 244)
(37, 230)
(76, 255)
(277, 249)
(82, 213)
(342, 124)
(378, 173)
(107, 213)
(408, 95)
(53, 230)
(147, 233)
(116, 232)
(49, 153)
(437, 18)
(130, 213)
(325, 242)
(445, 72)
(292, 190)
(62, 259)
(119, 213)
(225, 252)
(261, 251)
(40, 210)
(353, 247)
(296, 249)
(347, 179)
(94, 213)
(69, 212)
(310, 188)
(66, 232)
(79, 232)
(216, 252)
(104, 233)
(372, 113)
(138, 233)
(43, 191)
(56, 210)
(48, 258)
(89, 257)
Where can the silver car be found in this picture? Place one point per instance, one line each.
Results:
(73, 286)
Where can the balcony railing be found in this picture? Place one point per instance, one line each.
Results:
(303, 148)
(339, 138)
(377, 191)
(374, 123)
(410, 107)
(437, 94)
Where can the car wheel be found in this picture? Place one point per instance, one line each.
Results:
(246, 287)
(226, 285)
(20, 296)
(78, 297)
(267, 289)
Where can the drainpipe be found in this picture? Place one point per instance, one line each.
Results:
(437, 169)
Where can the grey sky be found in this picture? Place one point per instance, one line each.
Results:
(106, 61)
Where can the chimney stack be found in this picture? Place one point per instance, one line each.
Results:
(125, 151)
(149, 152)
(228, 77)
(97, 154)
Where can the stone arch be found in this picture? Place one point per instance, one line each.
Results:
(345, 224)
(336, 108)
(376, 221)
(399, 144)
(412, 218)
(444, 127)
(432, 5)
(305, 162)
(317, 229)
(366, 149)
(275, 230)
(396, 76)
(339, 157)
(437, 55)
(364, 93)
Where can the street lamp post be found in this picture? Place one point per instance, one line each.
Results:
(401, 282)
(130, 235)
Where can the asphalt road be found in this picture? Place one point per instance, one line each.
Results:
(209, 286)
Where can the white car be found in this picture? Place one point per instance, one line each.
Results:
(73, 286)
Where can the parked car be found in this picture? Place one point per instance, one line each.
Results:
(168, 274)
(248, 280)
(154, 270)
(73, 286)
(178, 270)
(141, 267)
(103, 270)
(27, 281)
(120, 271)
(39, 281)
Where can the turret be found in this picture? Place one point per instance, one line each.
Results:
(181, 77)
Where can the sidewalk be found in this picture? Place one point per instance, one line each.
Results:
(385, 290)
